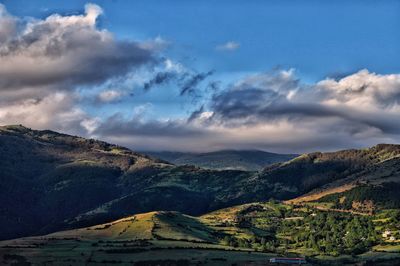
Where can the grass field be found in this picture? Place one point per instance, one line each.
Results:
(388, 248)
(52, 251)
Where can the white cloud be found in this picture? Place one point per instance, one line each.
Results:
(8, 25)
(141, 110)
(56, 111)
(171, 66)
(109, 96)
(90, 124)
(228, 46)
(157, 43)
(362, 89)
(44, 62)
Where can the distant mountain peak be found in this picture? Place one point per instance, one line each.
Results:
(247, 160)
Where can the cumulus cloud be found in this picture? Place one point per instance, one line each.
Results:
(56, 111)
(61, 52)
(269, 96)
(228, 46)
(363, 89)
(277, 111)
(361, 108)
(45, 61)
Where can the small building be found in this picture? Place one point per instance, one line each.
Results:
(392, 238)
(288, 260)
(387, 233)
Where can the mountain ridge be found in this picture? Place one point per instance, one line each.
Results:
(52, 181)
(229, 159)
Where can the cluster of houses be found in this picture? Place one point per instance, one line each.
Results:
(388, 235)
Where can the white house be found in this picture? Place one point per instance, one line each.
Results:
(387, 233)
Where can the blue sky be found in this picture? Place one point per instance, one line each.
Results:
(318, 38)
(235, 40)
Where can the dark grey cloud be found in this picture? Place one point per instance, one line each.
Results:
(159, 79)
(117, 125)
(196, 114)
(190, 84)
(213, 86)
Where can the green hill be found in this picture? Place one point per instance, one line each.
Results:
(162, 225)
(247, 160)
(246, 234)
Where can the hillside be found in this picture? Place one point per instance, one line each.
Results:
(161, 225)
(52, 181)
(319, 174)
(246, 234)
(47, 177)
(154, 238)
(247, 160)
(49, 181)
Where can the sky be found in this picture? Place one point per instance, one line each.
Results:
(282, 76)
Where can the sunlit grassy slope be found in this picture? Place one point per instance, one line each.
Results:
(160, 225)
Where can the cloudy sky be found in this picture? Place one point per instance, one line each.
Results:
(279, 75)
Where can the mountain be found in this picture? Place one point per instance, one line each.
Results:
(248, 234)
(247, 160)
(51, 181)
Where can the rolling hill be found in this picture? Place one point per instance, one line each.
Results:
(51, 181)
(154, 238)
(246, 234)
(247, 160)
